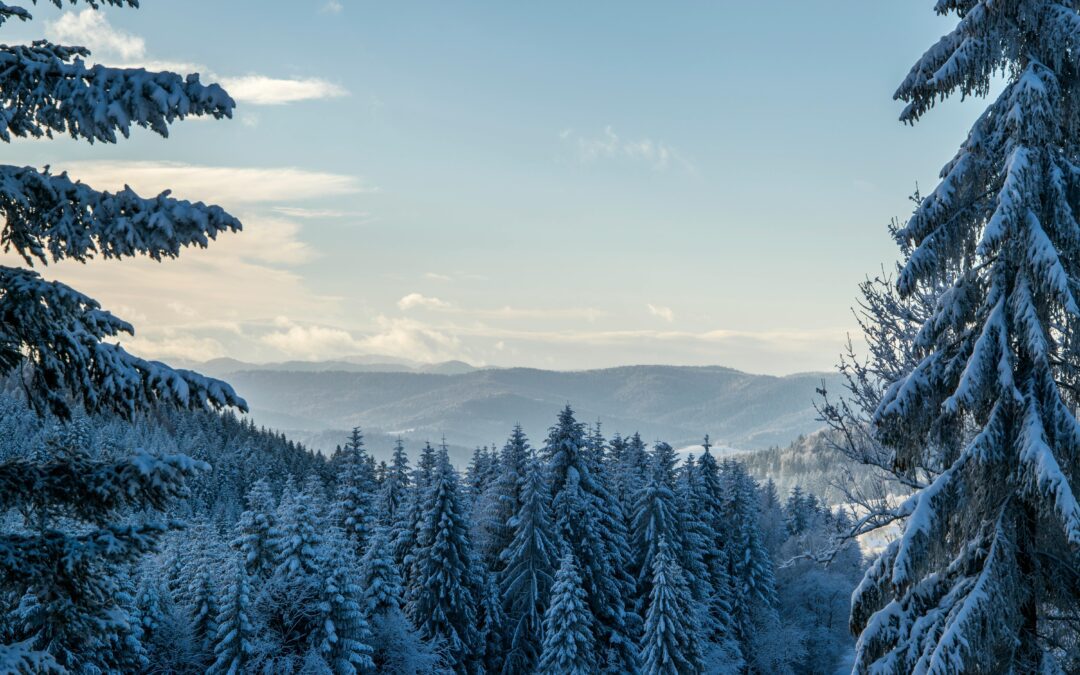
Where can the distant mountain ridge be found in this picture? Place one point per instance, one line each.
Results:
(317, 401)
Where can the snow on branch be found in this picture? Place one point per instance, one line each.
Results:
(53, 217)
(59, 331)
(49, 88)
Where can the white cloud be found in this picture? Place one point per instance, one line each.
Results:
(610, 145)
(89, 28)
(217, 184)
(263, 90)
(413, 300)
(312, 342)
(331, 7)
(664, 313)
(408, 338)
(435, 276)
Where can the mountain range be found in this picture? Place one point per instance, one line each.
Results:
(316, 402)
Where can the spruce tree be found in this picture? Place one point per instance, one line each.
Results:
(395, 486)
(379, 577)
(60, 348)
(234, 642)
(342, 637)
(568, 647)
(529, 565)
(355, 490)
(501, 500)
(991, 544)
(255, 531)
(656, 516)
(587, 519)
(299, 535)
(670, 644)
(442, 601)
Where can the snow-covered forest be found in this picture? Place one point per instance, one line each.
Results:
(529, 561)
(148, 525)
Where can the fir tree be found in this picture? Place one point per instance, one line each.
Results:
(588, 520)
(568, 647)
(234, 642)
(670, 644)
(501, 500)
(443, 599)
(60, 348)
(355, 490)
(255, 531)
(379, 577)
(342, 637)
(395, 486)
(528, 573)
(300, 531)
(989, 407)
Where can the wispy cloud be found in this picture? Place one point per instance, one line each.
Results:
(300, 212)
(263, 90)
(664, 313)
(90, 28)
(217, 184)
(331, 7)
(609, 145)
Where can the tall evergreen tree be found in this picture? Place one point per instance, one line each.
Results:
(342, 637)
(568, 647)
(670, 644)
(501, 500)
(656, 516)
(355, 489)
(442, 601)
(395, 486)
(588, 521)
(529, 565)
(991, 544)
(234, 641)
(300, 521)
(255, 531)
(60, 346)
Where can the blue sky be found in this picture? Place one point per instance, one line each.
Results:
(560, 185)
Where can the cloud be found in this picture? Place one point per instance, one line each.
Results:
(300, 212)
(664, 313)
(263, 90)
(217, 184)
(312, 342)
(413, 300)
(609, 145)
(90, 28)
(331, 7)
(435, 276)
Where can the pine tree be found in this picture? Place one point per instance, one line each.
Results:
(501, 500)
(528, 573)
(990, 405)
(300, 531)
(670, 645)
(443, 599)
(342, 637)
(588, 520)
(255, 531)
(750, 566)
(355, 491)
(395, 486)
(234, 642)
(568, 642)
(379, 577)
(656, 516)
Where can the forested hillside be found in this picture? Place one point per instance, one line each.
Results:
(581, 552)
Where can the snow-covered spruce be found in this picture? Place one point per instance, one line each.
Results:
(986, 565)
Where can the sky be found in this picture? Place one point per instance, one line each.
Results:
(557, 185)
